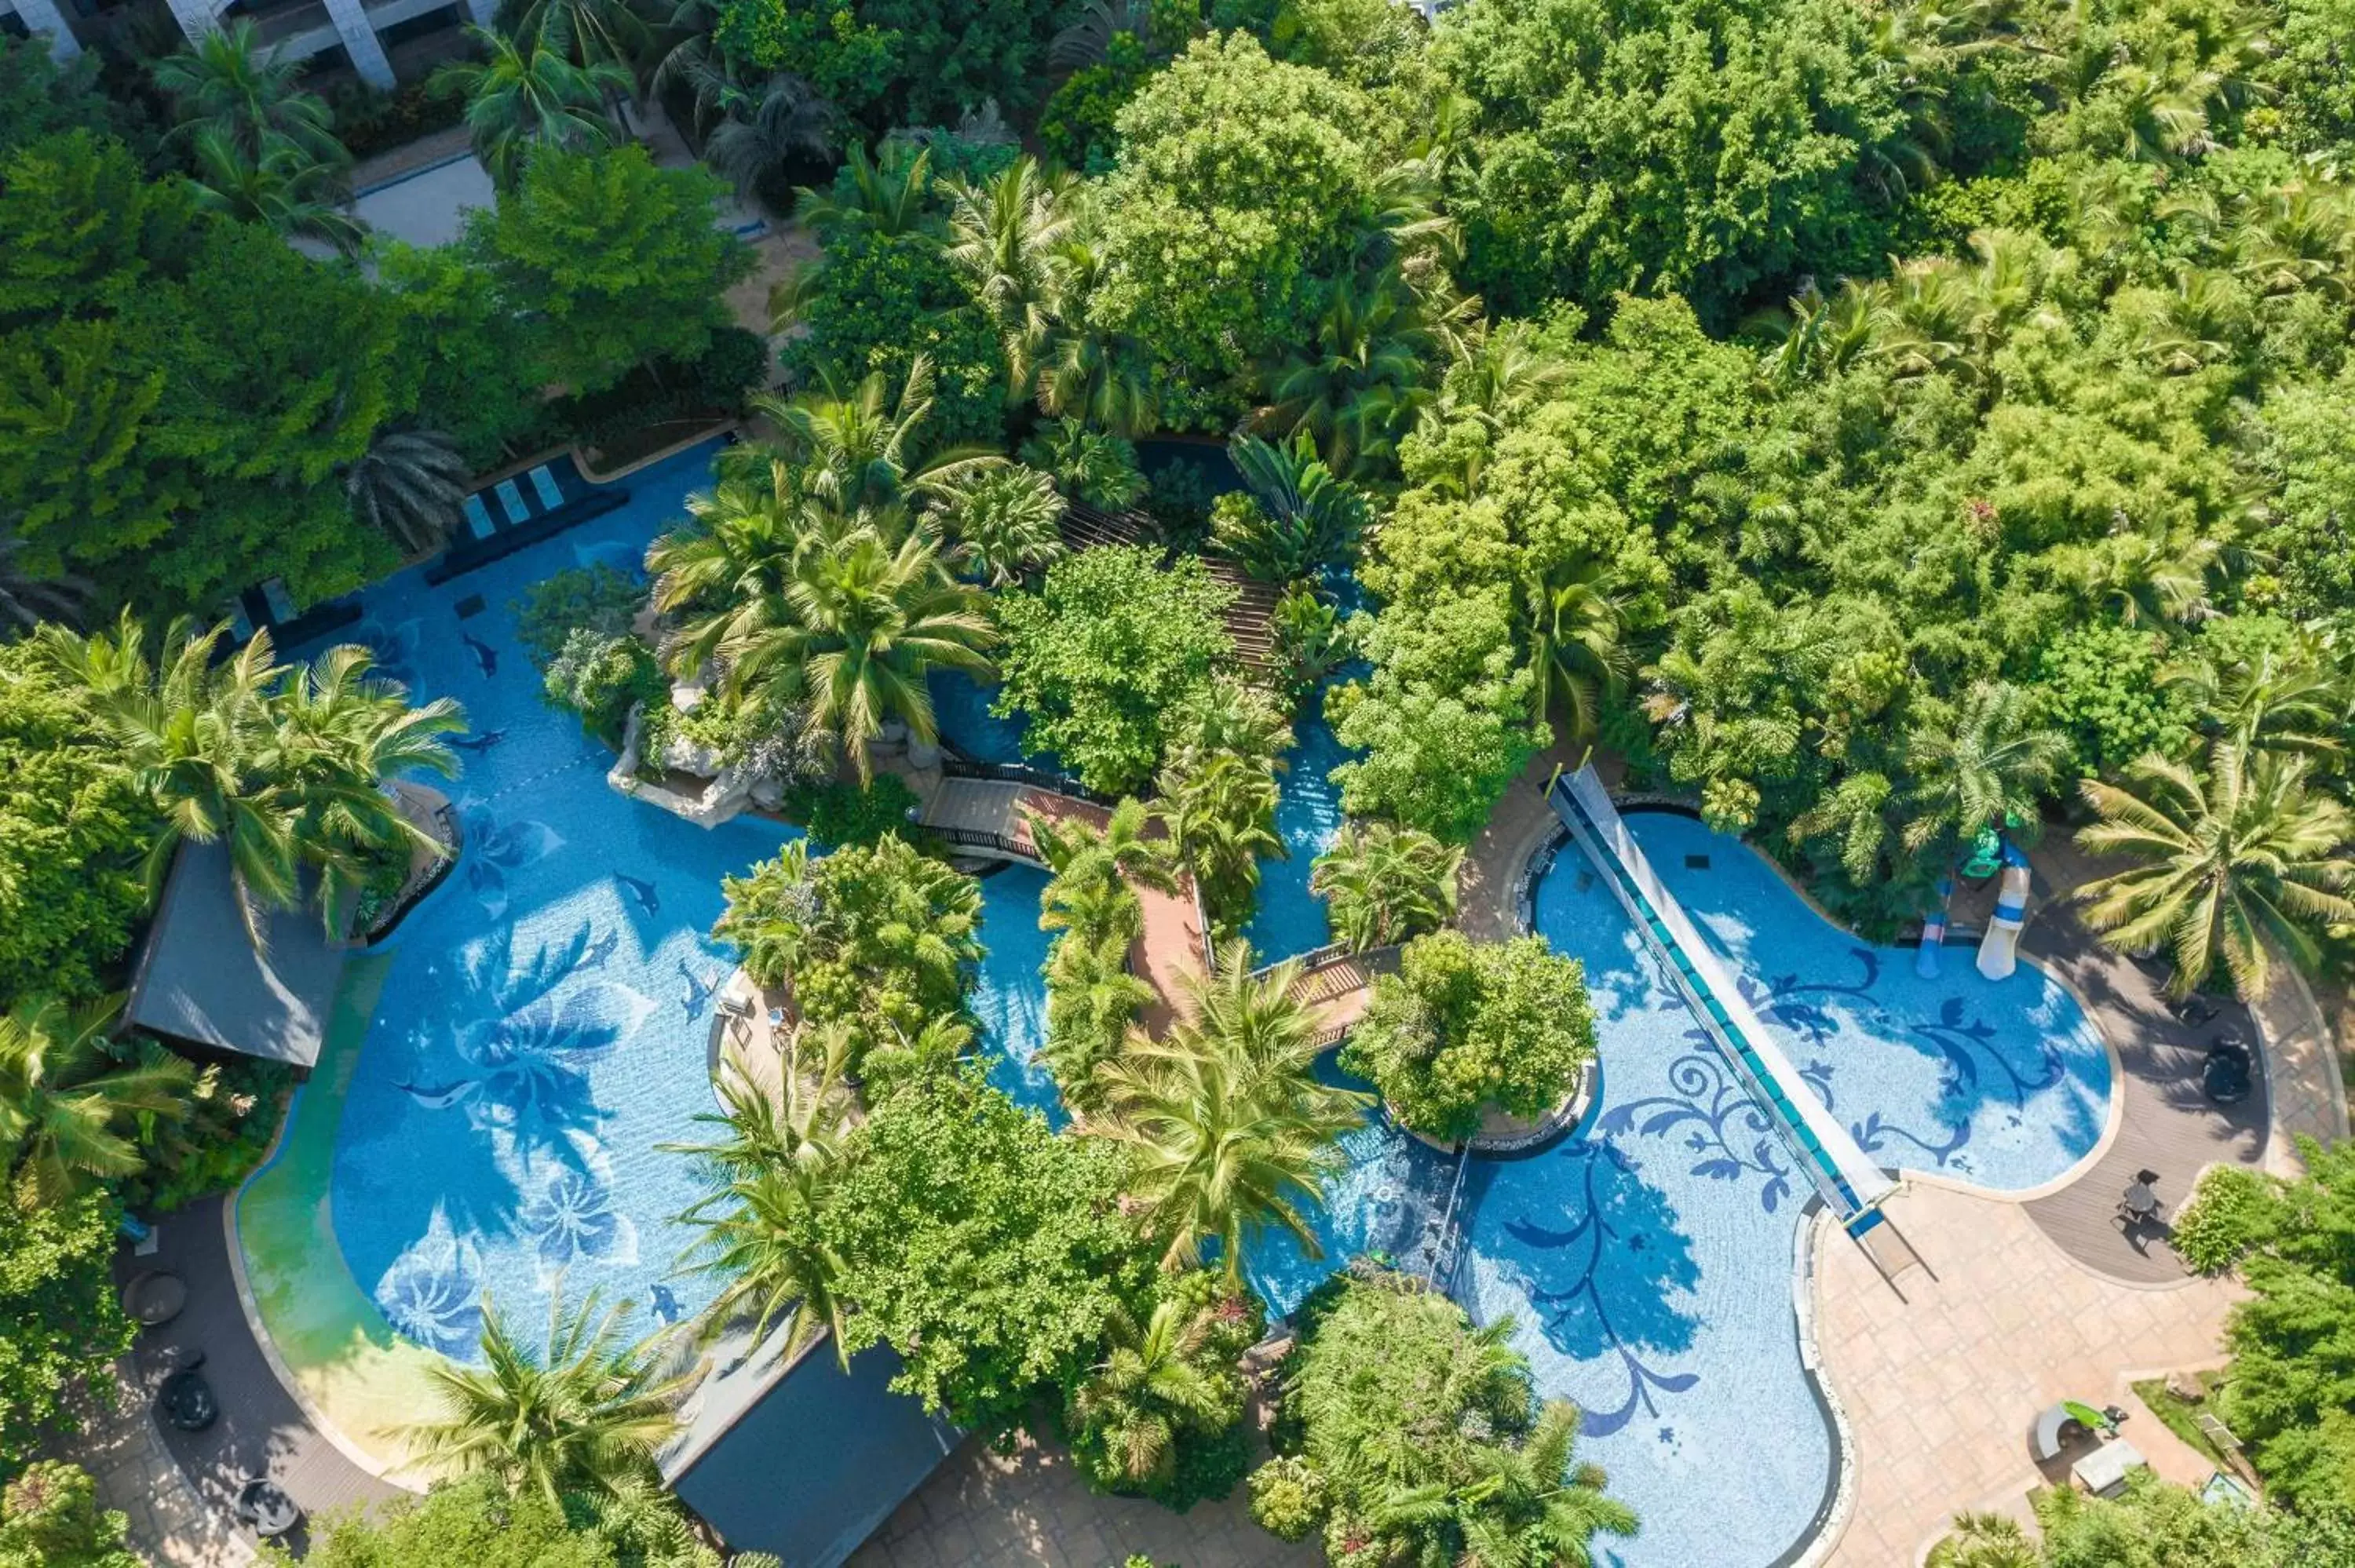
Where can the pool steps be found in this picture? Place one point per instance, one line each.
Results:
(1850, 1183)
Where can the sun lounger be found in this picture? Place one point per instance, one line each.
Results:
(478, 520)
(543, 484)
(512, 499)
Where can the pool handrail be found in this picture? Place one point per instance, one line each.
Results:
(1835, 1164)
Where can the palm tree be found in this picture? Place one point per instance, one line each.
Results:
(233, 84)
(1093, 999)
(858, 448)
(890, 198)
(1220, 808)
(1007, 525)
(722, 578)
(1523, 1503)
(519, 99)
(1985, 1540)
(770, 1175)
(2246, 855)
(1306, 519)
(1357, 391)
(68, 1109)
(862, 625)
(285, 189)
(408, 486)
(761, 133)
(1575, 652)
(1988, 768)
(1383, 884)
(1003, 235)
(25, 598)
(588, 1414)
(2275, 699)
(1079, 854)
(586, 32)
(1150, 1387)
(1230, 1131)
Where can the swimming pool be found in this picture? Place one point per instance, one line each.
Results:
(544, 1016)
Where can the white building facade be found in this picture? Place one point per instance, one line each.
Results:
(299, 31)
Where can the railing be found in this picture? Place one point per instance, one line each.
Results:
(955, 765)
(980, 838)
(1316, 958)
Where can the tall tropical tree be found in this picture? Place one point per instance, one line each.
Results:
(1521, 1503)
(1004, 235)
(1988, 768)
(722, 578)
(2230, 861)
(410, 486)
(760, 131)
(586, 32)
(1305, 519)
(1230, 1132)
(1576, 621)
(861, 624)
(1985, 1540)
(1382, 883)
(1081, 854)
(586, 1415)
(859, 449)
(1220, 808)
(2276, 699)
(1150, 1387)
(27, 601)
(1005, 524)
(526, 96)
(70, 1111)
(1357, 389)
(770, 1174)
(283, 188)
(231, 83)
(890, 198)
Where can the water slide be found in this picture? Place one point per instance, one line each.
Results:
(1933, 932)
(1999, 949)
(1822, 1149)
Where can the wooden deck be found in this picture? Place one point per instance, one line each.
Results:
(261, 1430)
(2168, 1124)
(1250, 617)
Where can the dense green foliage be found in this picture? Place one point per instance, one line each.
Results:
(49, 1518)
(478, 1521)
(1161, 1415)
(60, 1324)
(2155, 1524)
(1424, 1432)
(1105, 653)
(875, 937)
(1466, 1025)
(988, 1252)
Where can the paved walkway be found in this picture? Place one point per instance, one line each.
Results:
(136, 1475)
(1941, 1386)
(1487, 890)
(980, 1509)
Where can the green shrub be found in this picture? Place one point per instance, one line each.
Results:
(49, 1518)
(599, 677)
(2228, 1214)
(1466, 1024)
(1288, 1497)
(846, 813)
(599, 598)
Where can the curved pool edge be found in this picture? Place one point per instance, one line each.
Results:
(1823, 1536)
(292, 1282)
(2113, 1100)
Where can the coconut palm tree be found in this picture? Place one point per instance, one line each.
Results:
(27, 600)
(1522, 1502)
(1985, 1540)
(1576, 621)
(1220, 809)
(71, 1111)
(1093, 999)
(759, 1224)
(2245, 854)
(586, 1415)
(1230, 1131)
(1150, 1387)
(1004, 235)
(860, 626)
(858, 448)
(2275, 699)
(1988, 768)
(889, 198)
(762, 132)
(1081, 854)
(527, 96)
(1358, 388)
(586, 32)
(231, 83)
(722, 578)
(1383, 884)
(1006, 525)
(410, 486)
(283, 188)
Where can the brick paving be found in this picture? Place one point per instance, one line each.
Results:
(171, 1526)
(1941, 1386)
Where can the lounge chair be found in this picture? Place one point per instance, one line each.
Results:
(478, 519)
(512, 499)
(543, 484)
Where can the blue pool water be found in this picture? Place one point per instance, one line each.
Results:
(544, 1023)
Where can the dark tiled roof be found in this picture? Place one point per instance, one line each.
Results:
(200, 979)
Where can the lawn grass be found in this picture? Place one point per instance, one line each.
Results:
(2181, 1417)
